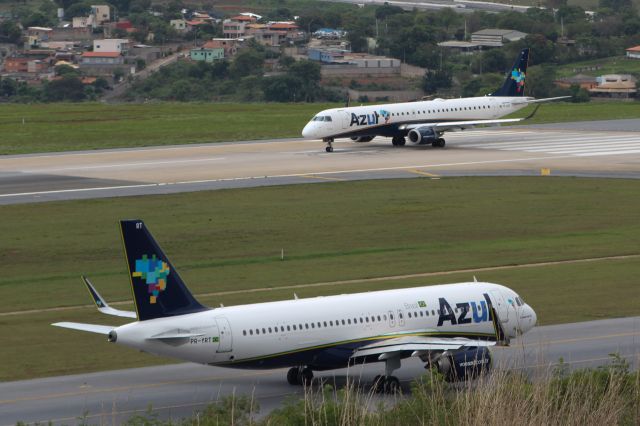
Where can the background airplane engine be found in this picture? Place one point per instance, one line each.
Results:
(464, 364)
(423, 135)
(362, 138)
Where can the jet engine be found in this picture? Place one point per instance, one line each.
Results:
(362, 138)
(423, 135)
(465, 364)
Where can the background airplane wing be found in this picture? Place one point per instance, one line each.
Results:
(415, 346)
(102, 304)
(91, 328)
(462, 125)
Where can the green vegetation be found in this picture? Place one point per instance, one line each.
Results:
(230, 241)
(68, 127)
(65, 127)
(596, 67)
(607, 395)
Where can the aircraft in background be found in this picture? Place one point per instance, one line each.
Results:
(449, 327)
(425, 122)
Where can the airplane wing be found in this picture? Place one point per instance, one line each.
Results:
(102, 304)
(538, 101)
(469, 124)
(414, 346)
(91, 328)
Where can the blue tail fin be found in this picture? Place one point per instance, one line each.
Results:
(158, 290)
(514, 83)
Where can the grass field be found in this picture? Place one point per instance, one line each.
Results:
(230, 240)
(68, 127)
(612, 65)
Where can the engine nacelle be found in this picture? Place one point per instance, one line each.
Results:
(362, 138)
(465, 364)
(423, 135)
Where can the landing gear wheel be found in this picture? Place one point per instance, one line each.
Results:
(306, 377)
(329, 142)
(398, 141)
(402, 141)
(391, 385)
(378, 384)
(438, 143)
(292, 376)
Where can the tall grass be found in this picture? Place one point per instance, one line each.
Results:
(604, 396)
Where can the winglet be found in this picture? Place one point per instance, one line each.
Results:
(102, 304)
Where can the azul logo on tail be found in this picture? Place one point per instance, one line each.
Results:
(154, 272)
(518, 76)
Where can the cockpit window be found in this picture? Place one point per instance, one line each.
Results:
(322, 118)
(519, 301)
(327, 118)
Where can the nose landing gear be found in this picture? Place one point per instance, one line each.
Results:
(329, 142)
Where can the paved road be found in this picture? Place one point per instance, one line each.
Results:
(575, 149)
(177, 390)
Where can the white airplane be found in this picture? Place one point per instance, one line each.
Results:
(425, 122)
(449, 327)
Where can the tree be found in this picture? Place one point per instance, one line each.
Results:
(434, 80)
(10, 32)
(8, 87)
(68, 88)
(247, 62)
(282, 88)
(579, 94)
(66, 70)
(78, 9)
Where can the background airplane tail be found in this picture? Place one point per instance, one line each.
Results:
(158, 290)
(514, 83)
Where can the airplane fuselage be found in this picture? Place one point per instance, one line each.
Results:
(392, 119)
(323, 332)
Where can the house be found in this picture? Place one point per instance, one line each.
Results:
(180, 25)
(633, 52)
(206, 53)
(82, 21)
(615, 86)
(36, 35)
(465, 47)
(101, 63)
(23, 64)
(229, 45)
(233, 29)
(101, 13)
(494, 37)
(584, 81)
(120, 45)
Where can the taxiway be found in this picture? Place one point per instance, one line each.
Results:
(601, 149)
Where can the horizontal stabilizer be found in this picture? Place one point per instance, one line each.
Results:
(102, 304)
(91, 328)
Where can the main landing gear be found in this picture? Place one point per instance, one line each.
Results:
(438, 143)
(329, 142)
(300, 376)
(387, 383)
(398, 141)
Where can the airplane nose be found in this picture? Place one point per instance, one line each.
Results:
(307, 131)
(533, 318)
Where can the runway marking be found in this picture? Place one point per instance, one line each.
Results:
(377, 169)
(343, 282)
(427, 174)
(112, 166)
(322, 177)
(124, 388)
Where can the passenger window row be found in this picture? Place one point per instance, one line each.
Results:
(397, 114)
(338, 323)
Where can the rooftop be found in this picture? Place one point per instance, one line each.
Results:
(100, 54)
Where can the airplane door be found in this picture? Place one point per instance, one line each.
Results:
(400, 318)
(345, 118)
(500, 305)
(392, 321)
(226, 338)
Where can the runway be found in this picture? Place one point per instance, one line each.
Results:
(177, 390)
(598, 149)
